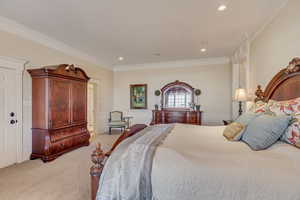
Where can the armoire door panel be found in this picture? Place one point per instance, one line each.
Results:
(60, 104)
(79, 102)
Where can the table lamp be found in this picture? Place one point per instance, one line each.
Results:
(240, 96)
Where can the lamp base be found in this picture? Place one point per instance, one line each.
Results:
(240, 108)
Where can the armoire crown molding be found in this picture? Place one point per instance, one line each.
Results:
(13, 27)
(174, 64)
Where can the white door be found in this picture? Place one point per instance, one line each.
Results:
(10, 130)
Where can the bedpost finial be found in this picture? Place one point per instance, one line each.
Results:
(259, 94)
(98, 156)
(98, 146)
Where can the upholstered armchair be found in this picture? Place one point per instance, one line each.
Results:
(116, 120)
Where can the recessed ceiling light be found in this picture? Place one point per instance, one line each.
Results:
(121, 58)
(222, 7)
(203, 49)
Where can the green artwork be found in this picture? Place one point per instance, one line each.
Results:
(138, 96)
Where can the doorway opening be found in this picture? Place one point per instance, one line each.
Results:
(91, 108)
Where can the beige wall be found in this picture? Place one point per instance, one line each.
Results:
(277, 44)
(39, 55)
(213, 80)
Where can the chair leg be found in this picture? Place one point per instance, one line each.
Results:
(109, 130)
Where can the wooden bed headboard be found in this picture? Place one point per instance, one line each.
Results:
(284, 86)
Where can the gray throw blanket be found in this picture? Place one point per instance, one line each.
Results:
(127, 172)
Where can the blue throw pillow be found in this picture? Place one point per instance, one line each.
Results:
(265, 130)
(246, 118)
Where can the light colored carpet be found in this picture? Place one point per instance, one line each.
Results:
(66, 178)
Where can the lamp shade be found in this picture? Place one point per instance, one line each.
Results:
(240, 94)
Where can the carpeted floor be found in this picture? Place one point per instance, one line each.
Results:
(66, 178)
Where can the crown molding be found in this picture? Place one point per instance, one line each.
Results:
(268, 22)
(13, 27)
(173, 64)
(14, 63)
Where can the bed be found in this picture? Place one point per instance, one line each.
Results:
(197, 162)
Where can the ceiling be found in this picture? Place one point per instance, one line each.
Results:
(139, 29)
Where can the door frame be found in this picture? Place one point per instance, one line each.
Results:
(19, 66)
(96, 83)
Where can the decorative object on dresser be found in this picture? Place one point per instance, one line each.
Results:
(59, 110)
(176, 100)
(197, 93)
(240, 96)
(138, 96)
(157, 94)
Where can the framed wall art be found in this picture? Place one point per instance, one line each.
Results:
(138, 96)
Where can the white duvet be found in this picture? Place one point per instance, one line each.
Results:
(198, 163)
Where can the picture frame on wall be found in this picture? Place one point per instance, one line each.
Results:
(138, 96)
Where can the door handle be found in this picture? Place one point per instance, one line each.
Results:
(12, 121)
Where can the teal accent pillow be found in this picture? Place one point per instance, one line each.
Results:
(244, 119)
(265, 130)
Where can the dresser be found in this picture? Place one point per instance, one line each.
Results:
(176, 116)
(59, 110)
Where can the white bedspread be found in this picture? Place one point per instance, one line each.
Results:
(198, 163)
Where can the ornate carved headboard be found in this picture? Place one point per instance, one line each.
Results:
(284, 86)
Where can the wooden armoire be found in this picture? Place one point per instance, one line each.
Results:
(59, 110)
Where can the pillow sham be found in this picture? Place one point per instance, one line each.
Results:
(265, 130)
(292, 133)
(284, 107)
(258, 107)
(235, 130)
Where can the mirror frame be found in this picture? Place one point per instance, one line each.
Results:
(172, 84)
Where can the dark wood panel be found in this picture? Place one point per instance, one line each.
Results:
(60, 103)
(79, 95)
(39, 114)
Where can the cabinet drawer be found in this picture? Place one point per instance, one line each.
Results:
(68, 143)
(57, 135)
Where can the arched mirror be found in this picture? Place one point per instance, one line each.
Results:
(177, 95)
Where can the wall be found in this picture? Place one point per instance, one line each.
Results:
(213, 80)
(277, 44)
(39, 55)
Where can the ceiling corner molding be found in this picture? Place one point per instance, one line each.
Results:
(268, 22)
(13, 27)
(173, 64)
